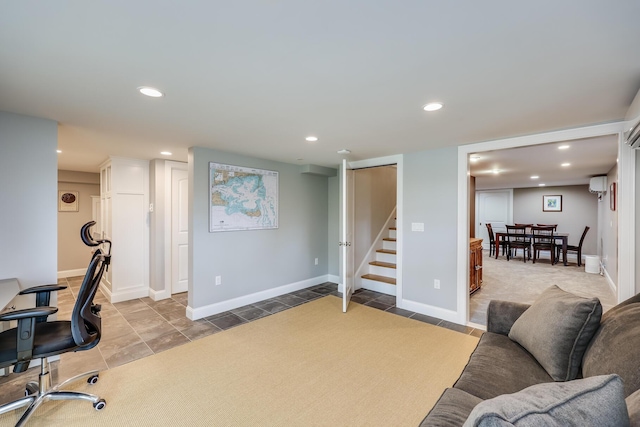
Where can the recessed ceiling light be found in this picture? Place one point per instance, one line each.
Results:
(166, 153)
(534, 177)
(563, 147)
(433, 106)
(541, 185)
(344, 151)
(58, 151)
(564, 165)
(474, 158)
(312, 138)
(150, 91)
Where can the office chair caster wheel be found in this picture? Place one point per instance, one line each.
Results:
(92, 379)
(31, 388)
(100, 404)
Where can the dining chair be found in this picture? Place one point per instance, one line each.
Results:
(528, 227)
(578, 248)
(493, 243)
(543, 240)
(555, 226)
(517, 238)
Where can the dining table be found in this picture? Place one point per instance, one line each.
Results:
(563, 237)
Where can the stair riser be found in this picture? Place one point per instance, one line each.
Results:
(386, 257)
(388, 245)
(382, 271)
(392, 234)
(381, 287)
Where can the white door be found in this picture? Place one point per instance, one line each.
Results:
(179, 231)
(494, 207)
(347, 235)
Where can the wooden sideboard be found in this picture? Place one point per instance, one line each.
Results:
(475, 265)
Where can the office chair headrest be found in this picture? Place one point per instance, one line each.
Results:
(85, 234)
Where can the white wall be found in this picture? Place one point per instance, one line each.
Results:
(374, 200)
(334, 226)
(579, 209)
(430, 197)
(29, 189)
(608, 231)
(257, 263)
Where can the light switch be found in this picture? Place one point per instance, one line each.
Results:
(417, 226)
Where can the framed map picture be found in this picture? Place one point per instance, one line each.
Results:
(242, 198)
(67, 201)
(551, 203)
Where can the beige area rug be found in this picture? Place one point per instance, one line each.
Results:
(308, 366)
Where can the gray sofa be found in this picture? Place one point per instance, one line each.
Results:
(500, 366)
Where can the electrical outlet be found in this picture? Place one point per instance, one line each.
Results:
(316, 261)
(436, 283)
(218, 280)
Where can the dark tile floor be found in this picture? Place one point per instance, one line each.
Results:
(142, 327)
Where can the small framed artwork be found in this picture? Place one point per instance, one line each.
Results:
(551, 203)
(612, 196)
(67, 201)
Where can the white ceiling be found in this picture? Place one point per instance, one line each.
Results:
(257, 77)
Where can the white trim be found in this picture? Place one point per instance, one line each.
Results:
(333, 278)
(72, 273)
(429, 310)
(464, 151)
(126, 295)
(611, 283)
(626, 219)
(219, 307)
(370, 255)
(477, 326)
(159, 295)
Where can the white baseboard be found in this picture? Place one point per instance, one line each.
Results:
(219, 307)
(429, 310)
(72, 273)
(333, 279)
(127, 295)
(611, 283)
(159, 295)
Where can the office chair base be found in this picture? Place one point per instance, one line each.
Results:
(43, 392)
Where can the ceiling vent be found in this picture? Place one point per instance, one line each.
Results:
(633, 136)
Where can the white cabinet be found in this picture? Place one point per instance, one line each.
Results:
(124, 204)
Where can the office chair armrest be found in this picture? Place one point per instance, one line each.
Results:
(27, 313)
(42, 288)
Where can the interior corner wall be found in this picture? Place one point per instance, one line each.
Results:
(579, 209)
(430, 197)
(29, 188)
(334, 226)
(73, 254)
(253, 261)
(157, 225)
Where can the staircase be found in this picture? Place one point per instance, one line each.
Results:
(382, 272)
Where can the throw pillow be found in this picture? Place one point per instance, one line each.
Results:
(633, 406)
(556, 330)
(596, 401)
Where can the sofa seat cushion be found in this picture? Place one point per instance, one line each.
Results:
(500, 366)
(633, 407)
(451, 410)
(557, 329)
(615, 347)
(596, 401)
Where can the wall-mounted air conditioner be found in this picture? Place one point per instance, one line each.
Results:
(598, 184)
(632, 137)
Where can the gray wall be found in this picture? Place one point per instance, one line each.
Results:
(579, 209)
(334, 226)
(72, 253)
(608, 228)
(374, 200)
(29, 189)
(430, 196)
(254, 261)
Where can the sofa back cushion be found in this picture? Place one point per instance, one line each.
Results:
(615, 347)
(556, 330)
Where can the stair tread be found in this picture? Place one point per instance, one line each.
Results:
(389, 280)
(389, 239)
(392, 228)
(383, 264)
(387, 251)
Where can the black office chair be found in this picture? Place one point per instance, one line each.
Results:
(35, 338)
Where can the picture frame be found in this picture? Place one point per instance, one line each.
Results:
(68, 201)
(612, 196)
(552, 203)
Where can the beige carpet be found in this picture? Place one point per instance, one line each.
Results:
(308, 366)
